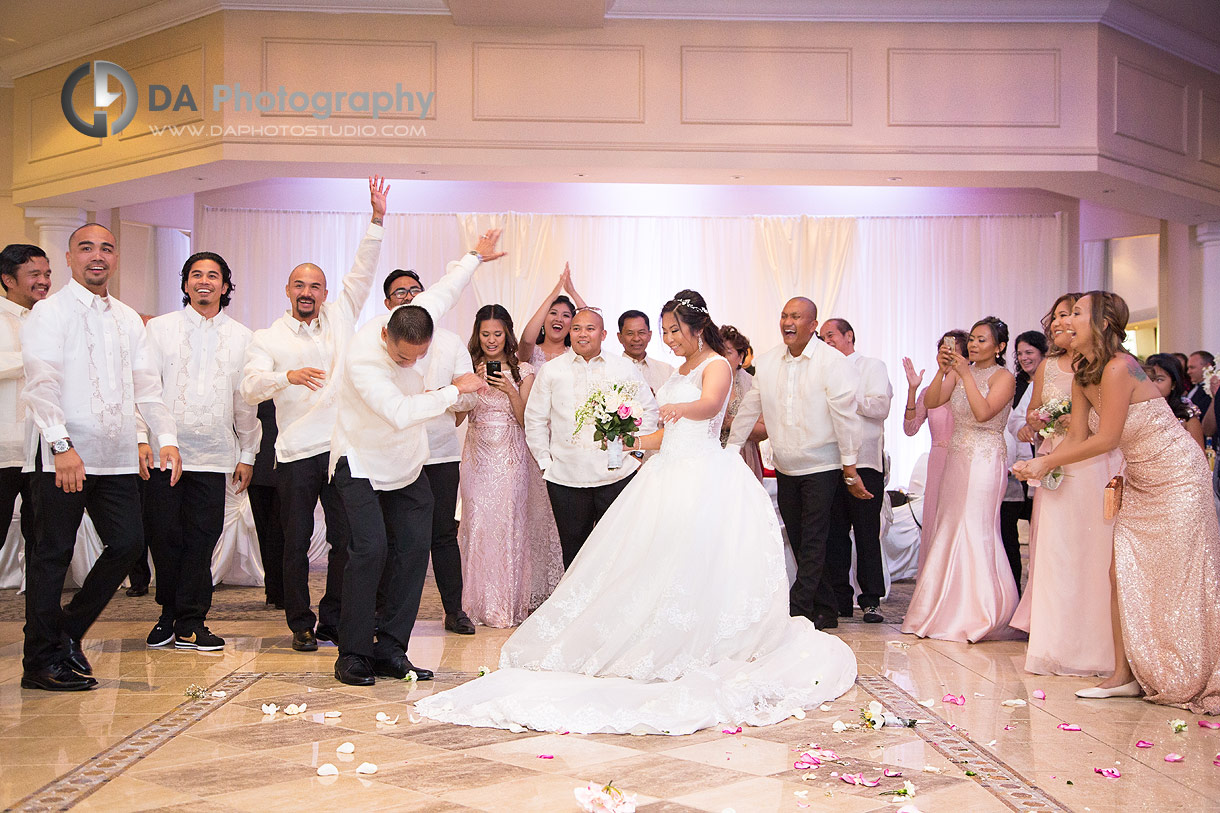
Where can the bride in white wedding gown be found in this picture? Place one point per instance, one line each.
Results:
(674, 615)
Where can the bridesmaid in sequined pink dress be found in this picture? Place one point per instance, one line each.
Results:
(940, 427)
(510, 548)
(1166, 536)
(966, 591)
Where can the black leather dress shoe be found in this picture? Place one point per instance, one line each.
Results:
(58, 677)
(304, 641)
(459, 622)
(397, 667)
(325, 633)
(826, 622)
(354, 671)
(76, 658)
(137, 590)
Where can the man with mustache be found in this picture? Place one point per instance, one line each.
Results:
(447, 358)
(198, 353)
(87, 375)
(25, 274)
(290, 362)
(377, 455)
(578, 481)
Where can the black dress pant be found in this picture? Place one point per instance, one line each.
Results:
(12, 483)
(113, 501)
(863, 517)
(446, 556)
(301, 484)
(806, 502)
(389, 529)
(184, 523)
(265, 506)
(1010, 513)
(577, 510)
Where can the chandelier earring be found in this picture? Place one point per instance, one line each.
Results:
(700, 350)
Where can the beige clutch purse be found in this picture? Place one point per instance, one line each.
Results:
(1114, 497)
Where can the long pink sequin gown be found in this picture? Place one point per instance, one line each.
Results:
(966, 591)
(1167, 562)
(510, 549)
(940, 426)
(1066, 605)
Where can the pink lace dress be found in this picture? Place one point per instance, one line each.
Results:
(510, 549)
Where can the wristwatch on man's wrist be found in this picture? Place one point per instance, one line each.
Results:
(60, 446)
(851, 481)
(476, 254)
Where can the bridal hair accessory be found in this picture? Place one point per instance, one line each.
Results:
(686, 303)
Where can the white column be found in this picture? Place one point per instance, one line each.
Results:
(55, 225)
(1208, 236)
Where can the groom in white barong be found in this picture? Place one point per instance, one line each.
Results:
(579, 481)
(674, 617)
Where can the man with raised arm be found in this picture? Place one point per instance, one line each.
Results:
(290, 363)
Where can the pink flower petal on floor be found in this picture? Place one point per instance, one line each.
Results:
(955, 699)
(546, 756)
(851, 778)
(1216, 761)
(1039, 694)
(1008, 728)
(1208, 724)
(1144, 744)
(892, 774)
(1108, 773)
(730, 730)
(870, 783)
(1174, 757)
(1068, 727)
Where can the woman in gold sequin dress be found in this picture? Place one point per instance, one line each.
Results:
(1166, 536)
(510, 548)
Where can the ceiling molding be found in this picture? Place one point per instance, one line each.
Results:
(1120, 15)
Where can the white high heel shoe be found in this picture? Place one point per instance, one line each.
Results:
(1131, 689)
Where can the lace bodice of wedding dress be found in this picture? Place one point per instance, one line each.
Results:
(686, 437)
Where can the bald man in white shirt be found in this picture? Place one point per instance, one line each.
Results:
(806, 393)
(87, 375)
(290, 362)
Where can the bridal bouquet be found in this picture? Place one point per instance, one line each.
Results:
(1051, 412)
(616, 415)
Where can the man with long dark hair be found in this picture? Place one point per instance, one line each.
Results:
(198, 352)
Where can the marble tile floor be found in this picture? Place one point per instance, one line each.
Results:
(138, 743)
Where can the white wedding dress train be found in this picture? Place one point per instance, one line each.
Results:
(673, 617)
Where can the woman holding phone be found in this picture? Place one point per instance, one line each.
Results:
(510, 548)
(966, 591)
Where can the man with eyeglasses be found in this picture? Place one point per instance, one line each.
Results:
(447, 358)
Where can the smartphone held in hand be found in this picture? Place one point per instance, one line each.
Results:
(493, 368)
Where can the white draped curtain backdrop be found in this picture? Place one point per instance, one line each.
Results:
(900, 281)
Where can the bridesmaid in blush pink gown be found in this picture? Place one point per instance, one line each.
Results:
(1166, 622)
(1066, 605)
(940, 427)
(510, 548)
(966, 591)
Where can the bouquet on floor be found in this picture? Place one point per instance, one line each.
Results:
(1050, 413)
(615, 413)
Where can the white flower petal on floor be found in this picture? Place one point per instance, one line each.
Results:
(326, 769)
